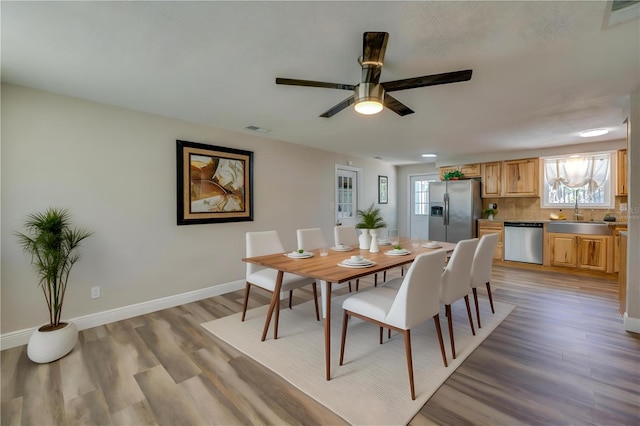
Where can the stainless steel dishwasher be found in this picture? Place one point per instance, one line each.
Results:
(523, 242)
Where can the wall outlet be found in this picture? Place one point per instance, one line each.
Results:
(623, 207)
(95, 292)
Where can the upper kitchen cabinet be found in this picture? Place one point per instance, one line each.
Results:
(491, 183)
(622, 172)
(468, 171)
(520, 178)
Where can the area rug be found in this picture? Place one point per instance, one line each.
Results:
(372, 387)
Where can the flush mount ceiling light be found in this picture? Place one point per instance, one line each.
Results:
(368, 98)
(593, 132)
(429, 155)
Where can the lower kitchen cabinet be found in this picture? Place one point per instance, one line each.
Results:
(580, 251)
(488, 227)
(616, 247)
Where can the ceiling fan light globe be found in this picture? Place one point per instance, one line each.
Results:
(369, 107)
(368, 98)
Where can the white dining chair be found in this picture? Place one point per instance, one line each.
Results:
(347, 235)
(261, 244)
(455, 282)
(481, 269)
(414, 302)
(310, 238)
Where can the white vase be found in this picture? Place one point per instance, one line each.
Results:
(490, 217)
(364, 239)
(48, 346)
(373, 247)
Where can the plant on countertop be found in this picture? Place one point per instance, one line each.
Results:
(370, 218)
(54, 249)
(489, 212)
(453, 175)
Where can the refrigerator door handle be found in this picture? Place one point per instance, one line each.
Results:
(446, 209)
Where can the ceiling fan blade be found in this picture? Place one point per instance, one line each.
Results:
(337, 108)
(396, 106)
(310, 83)
(374, 46)
(427, 80)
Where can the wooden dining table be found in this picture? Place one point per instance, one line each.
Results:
(326, 270)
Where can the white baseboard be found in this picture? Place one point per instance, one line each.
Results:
(631, 324)
(21, 337)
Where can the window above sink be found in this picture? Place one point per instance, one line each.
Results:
(582, 178)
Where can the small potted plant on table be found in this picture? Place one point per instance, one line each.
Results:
(370, 221)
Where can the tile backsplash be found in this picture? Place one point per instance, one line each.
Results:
(528, 208)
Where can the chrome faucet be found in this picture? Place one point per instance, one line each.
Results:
(576, 211)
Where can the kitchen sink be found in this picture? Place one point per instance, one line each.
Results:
(579, 227)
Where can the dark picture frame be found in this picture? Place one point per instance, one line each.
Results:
(383, 189)
(214, 184)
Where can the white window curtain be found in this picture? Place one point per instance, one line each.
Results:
(576, 172)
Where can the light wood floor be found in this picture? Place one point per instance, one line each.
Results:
(561, 357)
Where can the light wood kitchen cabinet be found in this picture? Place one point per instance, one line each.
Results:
(622, 172)
(579, 251)
(469, 171)
(491, 179)
(617, 247)
(520, 178)
(488, 227)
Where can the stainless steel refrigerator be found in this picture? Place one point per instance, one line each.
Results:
(454, 208)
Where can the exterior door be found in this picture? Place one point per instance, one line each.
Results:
(419, 205)
(346, 195)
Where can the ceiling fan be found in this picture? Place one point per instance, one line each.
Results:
(370, 95)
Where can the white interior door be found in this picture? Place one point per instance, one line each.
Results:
(346, 195)
(419, 205)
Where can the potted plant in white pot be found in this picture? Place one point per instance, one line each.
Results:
(54, 249)
(370, 221)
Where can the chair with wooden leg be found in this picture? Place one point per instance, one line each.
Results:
(481, 269)
(261, 244)
(414, 302)
(455, 283)
(346, 235)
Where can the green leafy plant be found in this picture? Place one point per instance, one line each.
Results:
(370, 218)
(397, 247)
(54, 249)
(454, 174)
(489, 212)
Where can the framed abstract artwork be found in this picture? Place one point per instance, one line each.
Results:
(215, 184)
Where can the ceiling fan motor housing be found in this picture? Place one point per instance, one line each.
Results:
(368, 95)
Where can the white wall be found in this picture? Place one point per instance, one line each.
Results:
(115, 169)
(632, 317)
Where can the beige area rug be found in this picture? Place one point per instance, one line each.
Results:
(372, 387)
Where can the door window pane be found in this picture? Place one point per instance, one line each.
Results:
(346, 206)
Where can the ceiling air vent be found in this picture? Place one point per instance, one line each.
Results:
(257, 129)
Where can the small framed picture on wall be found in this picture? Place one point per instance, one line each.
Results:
(383, 190)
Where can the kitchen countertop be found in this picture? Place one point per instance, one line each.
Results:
(612, 224)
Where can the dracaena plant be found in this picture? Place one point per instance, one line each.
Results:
(54, 249)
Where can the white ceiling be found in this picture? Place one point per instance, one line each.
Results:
(542, 71)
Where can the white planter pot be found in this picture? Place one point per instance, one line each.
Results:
(364, 239)
(373, 247)
(48, 346)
